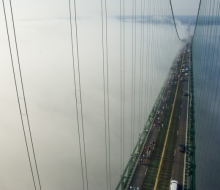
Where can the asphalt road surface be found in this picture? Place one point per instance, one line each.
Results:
(141, 170)
(178, 172)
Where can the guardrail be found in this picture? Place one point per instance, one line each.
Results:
(131, 166)
(190, 171)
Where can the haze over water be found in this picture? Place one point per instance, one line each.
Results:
(45, 54)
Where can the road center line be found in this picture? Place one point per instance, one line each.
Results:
(174, 102)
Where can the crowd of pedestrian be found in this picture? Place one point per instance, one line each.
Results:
(158, 120)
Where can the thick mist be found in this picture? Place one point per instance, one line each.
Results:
(47, 71)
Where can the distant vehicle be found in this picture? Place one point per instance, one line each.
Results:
(183, 70)
(186, 74)
(181, 147)
(181, 78)
(173, 185)
(186, 93)
(187, 69)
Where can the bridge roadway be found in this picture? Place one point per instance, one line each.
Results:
(178, 172)
(179, 160)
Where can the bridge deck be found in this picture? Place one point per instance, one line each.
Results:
(173, 163)
(179, 159)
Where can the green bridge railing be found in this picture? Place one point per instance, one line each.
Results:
(190, 170)
(133, 161)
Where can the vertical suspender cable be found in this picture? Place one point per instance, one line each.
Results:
(77, 109)
(143, 64)
(132, 77)
(135, 60)
(145, 80)
(148, 73)
(77, 48)
(217, 164)
(109, 134)
(32, 144)
(123, 146)
(153, 49)
(207, 104)
(203, 75)
(106, 98)
(76, 98)
(214, 86)
(141, 69)
(139, 91)
(121, 103)
(18, 97)
(201, 68)
(104, 89)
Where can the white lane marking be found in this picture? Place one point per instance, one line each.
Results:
(175, 153)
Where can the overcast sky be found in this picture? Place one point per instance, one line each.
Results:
(85, 8)
(185, 7)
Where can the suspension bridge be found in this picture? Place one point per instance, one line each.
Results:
(141, 101)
